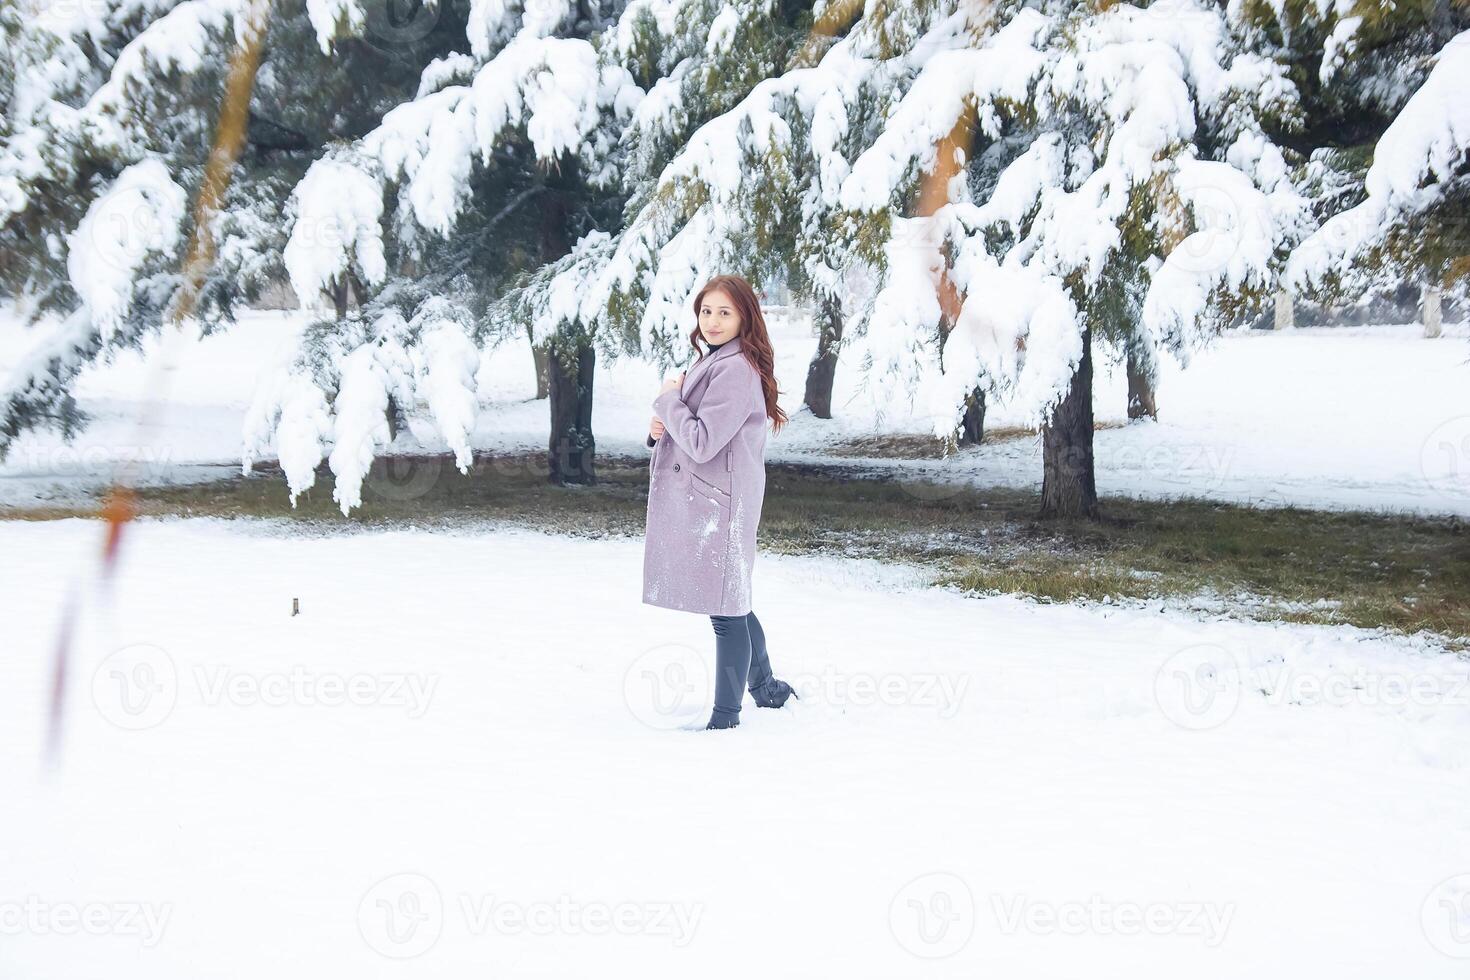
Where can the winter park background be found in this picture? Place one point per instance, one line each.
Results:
(1116, 545)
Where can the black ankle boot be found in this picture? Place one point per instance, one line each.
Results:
(722, 720)
(773, 693)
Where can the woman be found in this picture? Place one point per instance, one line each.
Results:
(707, 481)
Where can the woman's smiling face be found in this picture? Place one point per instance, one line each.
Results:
(718, 318)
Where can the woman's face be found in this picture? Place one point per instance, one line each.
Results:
(718, 319)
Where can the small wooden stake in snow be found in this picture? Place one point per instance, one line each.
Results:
(295, 607)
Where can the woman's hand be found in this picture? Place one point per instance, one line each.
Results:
(656, 428)
(670, 383)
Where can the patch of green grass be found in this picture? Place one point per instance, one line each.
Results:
(1365, 569)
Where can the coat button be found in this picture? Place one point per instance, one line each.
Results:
(676, 467)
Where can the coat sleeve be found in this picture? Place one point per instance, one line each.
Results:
(650, 440)
(722, 411)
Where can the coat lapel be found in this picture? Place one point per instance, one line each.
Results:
(700, 366)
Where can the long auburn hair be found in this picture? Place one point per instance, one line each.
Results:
(755, 342)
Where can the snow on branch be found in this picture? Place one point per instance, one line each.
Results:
(141, 215)
(336, 227)
(1422, 151)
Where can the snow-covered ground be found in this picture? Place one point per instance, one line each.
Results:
(1362, 417)
(463, 758)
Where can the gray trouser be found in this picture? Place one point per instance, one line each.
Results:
(740, 655)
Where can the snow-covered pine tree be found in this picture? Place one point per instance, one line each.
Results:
(110, 111)
(755, 190)
(1128, 187)
(521, 153)
(1385, 88)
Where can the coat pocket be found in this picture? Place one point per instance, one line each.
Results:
(709, 489)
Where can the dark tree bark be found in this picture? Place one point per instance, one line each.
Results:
(541, 361)
(397, 422)
(572, 449)
(1068, 485)
(1140, 390)
(972, 426)
(571, 357)
(973, 429)
(821, 373)
(339, 293)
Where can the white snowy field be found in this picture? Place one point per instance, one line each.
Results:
(1373, 418)
(463, 759)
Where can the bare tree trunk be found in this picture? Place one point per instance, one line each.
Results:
(541, 360)
(1068, 484)
(570, 356)
(972, 426)
(1285, 312)
(572, 450)
(821, 373)
(973, 429)
(338, 289)
(1140, 386)
(1430, 307)
(396, 420)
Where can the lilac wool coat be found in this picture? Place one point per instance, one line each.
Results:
(706, 485)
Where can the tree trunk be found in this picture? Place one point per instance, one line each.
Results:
(1140, 387)
(1431, 314)
(972, 426)
(1068, 485)
(570, 355)
(572, 449)
(338, 290)
(1285, 315)
(540, 359)
(823, 369)
(396, 420)
(972, 430)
